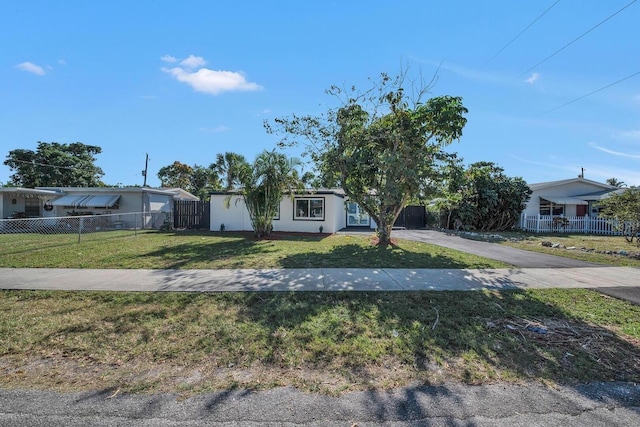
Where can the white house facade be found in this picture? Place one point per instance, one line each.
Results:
(569, 205)
(304, 212)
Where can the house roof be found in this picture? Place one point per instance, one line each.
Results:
(562, 200)
(542, 185)
(180, 194)
(28, 191)
(307, 191)
(176, 193)
(599, 195)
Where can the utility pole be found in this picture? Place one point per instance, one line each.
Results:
(146, 167)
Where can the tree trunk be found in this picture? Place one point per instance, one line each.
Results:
(384, 234)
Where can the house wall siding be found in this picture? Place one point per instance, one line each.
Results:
(569, 190)
(235, 217)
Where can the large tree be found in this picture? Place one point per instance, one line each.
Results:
(55, 165)
(263, 185)
(381, 146)
(623, 209)
(483, 198)
(228, 166)
(198, 180)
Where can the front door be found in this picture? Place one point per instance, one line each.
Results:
(356, 217)
(581, 210)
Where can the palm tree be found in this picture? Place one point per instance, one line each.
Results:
(228, 165)
(615, 183)
(263, 185)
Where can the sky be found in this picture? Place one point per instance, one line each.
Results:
(187, 80)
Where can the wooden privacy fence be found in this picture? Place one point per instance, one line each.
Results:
(191, 215)
(567, 224)
(412, 217)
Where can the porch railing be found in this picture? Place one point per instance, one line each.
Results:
(568, 224)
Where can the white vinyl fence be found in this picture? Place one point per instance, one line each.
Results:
(84, 225)
(568, 224)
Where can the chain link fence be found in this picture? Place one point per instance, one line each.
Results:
(89, 225)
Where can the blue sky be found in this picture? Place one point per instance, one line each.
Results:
(187, 80)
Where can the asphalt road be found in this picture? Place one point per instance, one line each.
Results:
(610, 404)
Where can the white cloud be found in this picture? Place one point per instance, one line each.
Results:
(168, 58)
(217, 129)
(193, 62)
(533, 78)
(62, 62)
(213, 82)
(30, 67)
(615, 153)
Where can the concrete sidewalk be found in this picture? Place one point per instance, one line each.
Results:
(315, 279)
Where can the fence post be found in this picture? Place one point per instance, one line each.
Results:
(135, 224)
(80, 223)
(538, 225)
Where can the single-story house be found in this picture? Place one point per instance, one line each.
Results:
(47, 202)
(304, 211)
(569, 204)
(18, 202)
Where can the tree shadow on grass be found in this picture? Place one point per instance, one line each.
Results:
(374, 340)
(184, 255)
(372, 256)
(472, 337)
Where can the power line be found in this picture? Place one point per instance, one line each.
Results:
(590, 93)
(522, 32)
(577, 38)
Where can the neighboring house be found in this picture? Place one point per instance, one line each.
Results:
(49, 202)
(305, 211)
(18, 202)
(566, 205)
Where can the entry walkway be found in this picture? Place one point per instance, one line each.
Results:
(315, 279)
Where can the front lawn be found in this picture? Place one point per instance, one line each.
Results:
(197, 250)
(321, 342)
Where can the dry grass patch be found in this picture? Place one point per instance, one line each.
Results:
(322, 342)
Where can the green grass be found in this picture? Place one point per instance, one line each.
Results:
(533, 242)
(187, 250)
(322, 342)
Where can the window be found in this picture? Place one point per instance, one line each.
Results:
(32, 207)
(309, 209)
(548, 208)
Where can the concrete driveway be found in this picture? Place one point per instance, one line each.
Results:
(515, 257)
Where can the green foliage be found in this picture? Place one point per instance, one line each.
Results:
(196, 179)
(228, 166)
(55, 165)
(483, 198)
(624, 210)
(263, 186)
(614, 182)
(381, 146)
(175, 175)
